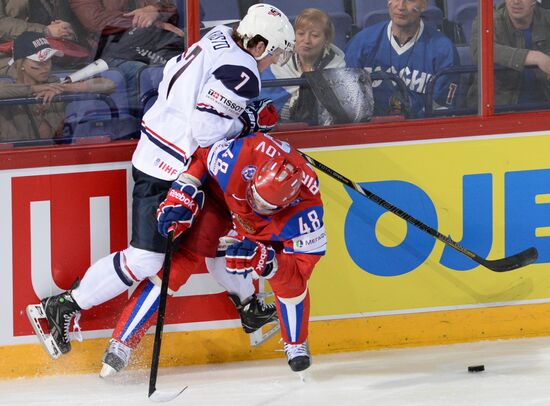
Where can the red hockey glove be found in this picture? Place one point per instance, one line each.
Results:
(248, 256)
(259, 115)
(178, 210)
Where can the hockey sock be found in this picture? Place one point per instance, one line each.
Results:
(294, 317)
(138, 314)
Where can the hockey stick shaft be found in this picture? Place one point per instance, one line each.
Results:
(501, 265)
(160, 316)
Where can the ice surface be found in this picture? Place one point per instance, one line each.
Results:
(517, 372)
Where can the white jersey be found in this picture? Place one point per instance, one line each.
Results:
(200, 97)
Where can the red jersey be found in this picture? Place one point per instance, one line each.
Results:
(299, 227)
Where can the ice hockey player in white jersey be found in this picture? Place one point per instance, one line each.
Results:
(205, 95)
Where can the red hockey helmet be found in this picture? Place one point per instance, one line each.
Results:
(274, 186)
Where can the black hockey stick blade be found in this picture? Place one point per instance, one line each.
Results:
(161, 397)
(510, 263)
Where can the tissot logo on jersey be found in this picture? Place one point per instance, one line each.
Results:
(218, 98)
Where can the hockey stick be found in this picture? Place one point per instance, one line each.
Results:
(510, 263)
(153, 393)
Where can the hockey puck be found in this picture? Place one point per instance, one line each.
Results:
(476, 368)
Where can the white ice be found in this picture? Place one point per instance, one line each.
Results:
(517, 372)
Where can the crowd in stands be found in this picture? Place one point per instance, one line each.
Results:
(413, 42)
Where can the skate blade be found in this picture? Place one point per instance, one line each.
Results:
(107, 371)
(34, 314)
(259, 336)
(162, 397)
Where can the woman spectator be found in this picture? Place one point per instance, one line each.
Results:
(314, 50)
(30, 67)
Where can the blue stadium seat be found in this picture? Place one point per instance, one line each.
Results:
(92, 117)
(454, 6)
(293, 7)
(342, 26)
(465, 16)
(149, 78)
(370, 12)
(433, 15)
(213, 10)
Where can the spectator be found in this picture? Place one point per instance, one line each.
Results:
(53, 19)
(30, 67)
(131, 34)
(406, 47)
(314, 50)
(522, 38)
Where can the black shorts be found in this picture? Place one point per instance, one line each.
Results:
(213, 221)
(148, 194)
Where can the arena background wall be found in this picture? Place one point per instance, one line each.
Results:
(382, 284)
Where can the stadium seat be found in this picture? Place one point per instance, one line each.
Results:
(213, 11)
(369, 12)
(293, 7)
(465, 15)
(93, 117)
(433, 15)
(149, 78)
(342, 26)
(453, 7)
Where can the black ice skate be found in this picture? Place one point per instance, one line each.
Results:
(255, 313)
(59, 311)
(298, 356)
(115, 358)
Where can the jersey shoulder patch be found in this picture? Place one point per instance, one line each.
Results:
(239, 79)
(222, 158)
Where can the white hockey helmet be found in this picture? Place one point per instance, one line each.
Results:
(272, 24)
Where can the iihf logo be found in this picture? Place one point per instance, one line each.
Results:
(248, 172)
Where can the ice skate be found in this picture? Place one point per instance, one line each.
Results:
(298, 356)
(254, 312)
(115, 358)
(59, 311)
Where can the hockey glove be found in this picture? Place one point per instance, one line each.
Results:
(259, 115)
(248, 256)
(178, 210)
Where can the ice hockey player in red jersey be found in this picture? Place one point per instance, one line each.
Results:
(278, 231)
(205, 95)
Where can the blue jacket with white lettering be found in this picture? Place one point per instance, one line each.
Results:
(416, 63)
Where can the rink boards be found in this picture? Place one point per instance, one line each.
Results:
(383, 283)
